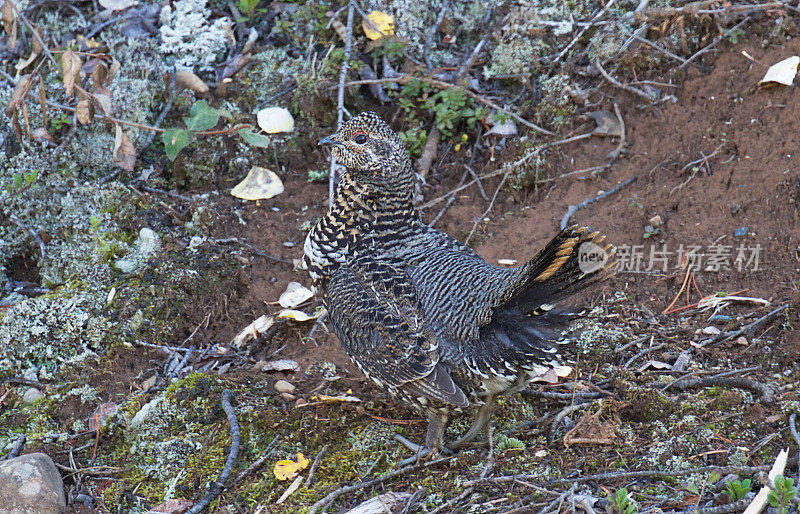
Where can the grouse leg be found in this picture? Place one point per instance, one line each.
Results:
(433, 440)
(481, 421)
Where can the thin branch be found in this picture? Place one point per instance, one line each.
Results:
(793, 428)
(331, 497)
(426, 50)
(348, 46)
(315, 465)
(252, 468)
(556, 503)
(582, 32)
(215, 488)
(572, 209)
(16, 449)
(230, 240)
(623, 475)
(615, 82)
(727, 336)
(35, 235)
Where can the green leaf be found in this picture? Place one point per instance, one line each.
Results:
(17, 180)
(175, 140)
(203, 117)
(253, 138)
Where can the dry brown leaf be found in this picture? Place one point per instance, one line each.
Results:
(103, 101)
(607, 123)
(70, 69)
(101, 415)
(185, 79)
(18, 95)
(100, 74)
(7, 15)
(124, 151)
(83, 111)
(589, 430)
(9, 22)
(41, 135)
(112, 72)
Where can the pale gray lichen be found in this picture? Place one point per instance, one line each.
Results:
(187, 34)
(49, 330)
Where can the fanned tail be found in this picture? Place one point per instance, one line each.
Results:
(526, 322)
(573, 260)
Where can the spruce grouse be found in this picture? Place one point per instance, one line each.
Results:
(420, 313)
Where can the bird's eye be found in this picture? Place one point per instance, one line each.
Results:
(360, 138)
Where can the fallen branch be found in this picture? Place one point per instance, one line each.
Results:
(767, 393)
(426, 50)
(793, 428)
(572, 209)
(331, 497)
(555, 505)
(256, 465)
(727, 336)
(315, 465)
(229, 240)
(623, 475)
(696, 9)
(215, 488)
(714, 43)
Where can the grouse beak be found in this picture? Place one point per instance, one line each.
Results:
(328, 141)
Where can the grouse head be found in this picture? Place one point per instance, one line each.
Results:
(369, 148)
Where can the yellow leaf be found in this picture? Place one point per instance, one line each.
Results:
(384, 23)
(285, 469)
(302, 462)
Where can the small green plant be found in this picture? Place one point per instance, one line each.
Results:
(20, 182)
(203, 117)
(508, 443)
(781, 496)
(735, 35)
(636, 203)
(650, 231)
(414, 139)
(248, 8)
(317, 176)
(622, 501)
(736, 490)
(59, 121)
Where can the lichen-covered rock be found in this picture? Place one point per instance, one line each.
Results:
(31, 484)
(147, 245)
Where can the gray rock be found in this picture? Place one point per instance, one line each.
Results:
(147, 244)
(31, 395)
(31, 484)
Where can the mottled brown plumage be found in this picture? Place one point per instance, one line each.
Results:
(419, 312)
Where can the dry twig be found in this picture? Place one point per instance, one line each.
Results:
(331, 497)
(572, 209)
(348, 46)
